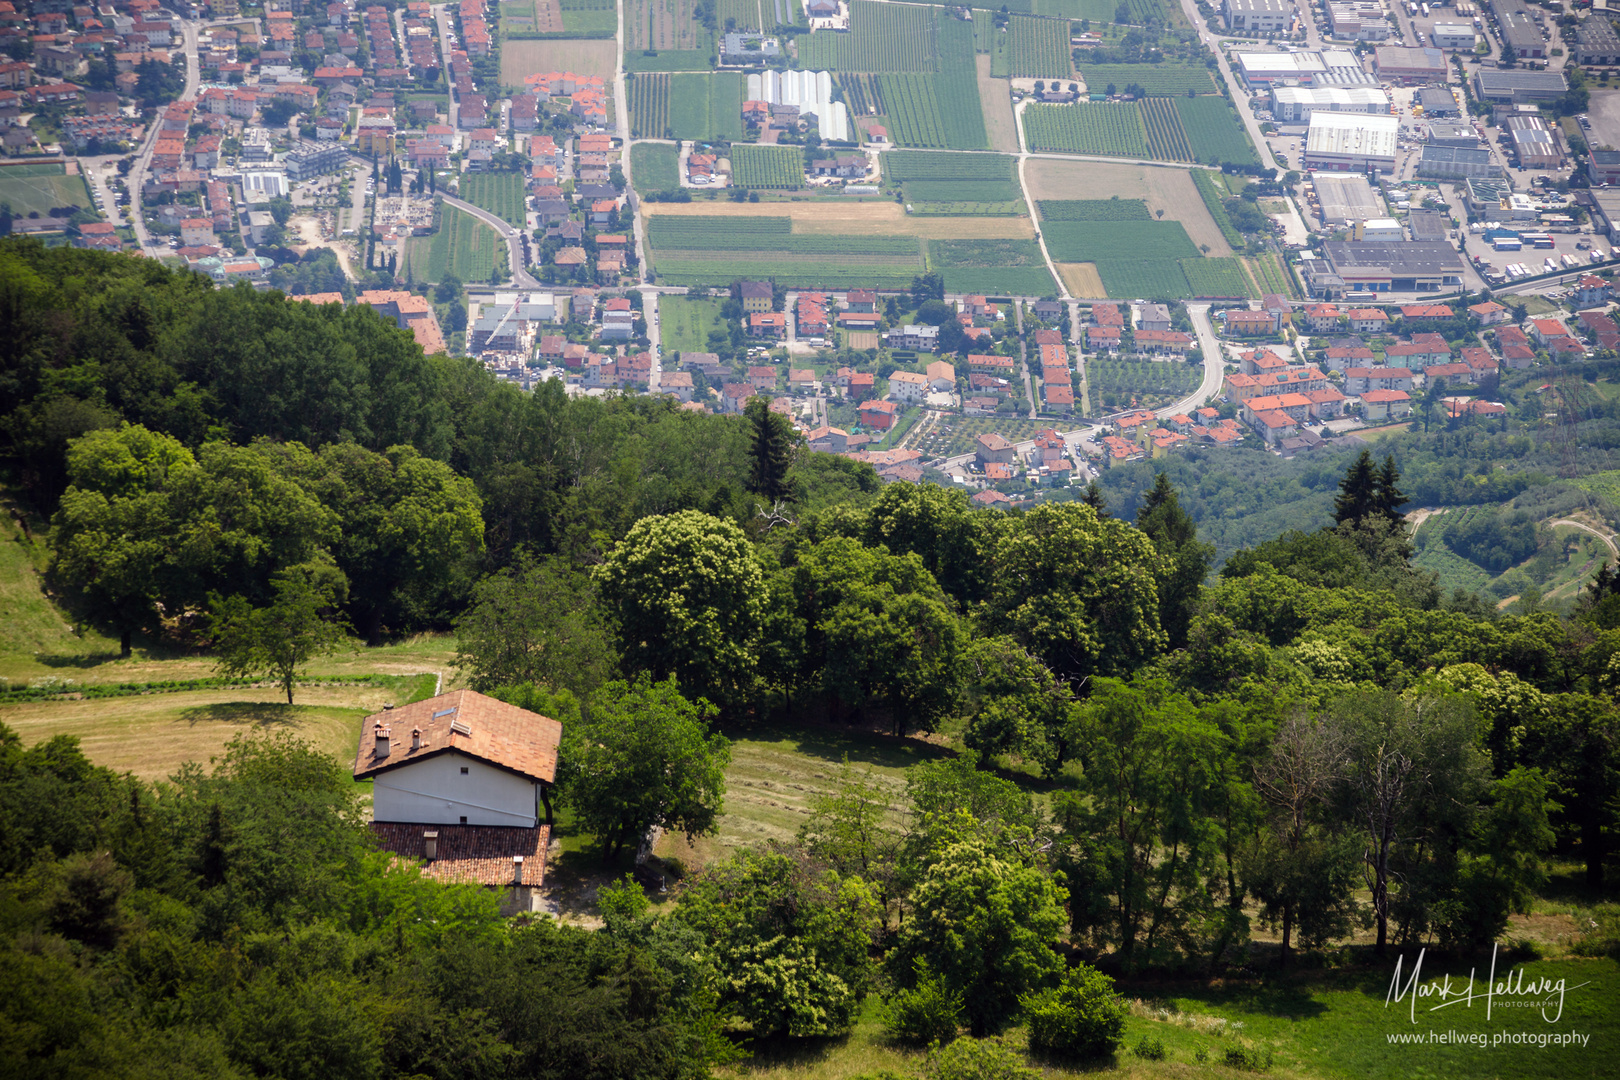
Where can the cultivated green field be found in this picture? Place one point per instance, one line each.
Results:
(1039, 49)
(1217, 278)
(716, 250)
(1111, 128)
(463, 246)
(994, 267)
(1115, 209)
(780, 167)
(1215, 131)
(649, 106)
(41, 188)
(1091, 241)
(501, 193)
(654, 167)
(706, 107)
(905, 165)
(882, 37)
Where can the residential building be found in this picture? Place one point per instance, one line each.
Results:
(458, 781)
(1385, 404)
(907, 386)
(757, 296)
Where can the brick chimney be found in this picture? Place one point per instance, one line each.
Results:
(430, 844)
(382, 735)
(517, 870)
(416, 738)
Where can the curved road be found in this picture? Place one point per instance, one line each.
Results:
(514, 239)
(1613, 550)
(1214, 364)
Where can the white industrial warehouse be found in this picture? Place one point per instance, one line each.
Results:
(811, 91)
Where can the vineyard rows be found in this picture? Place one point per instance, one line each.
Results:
(767, 167)
(1214, 196)
(882, 38)
(1106, 129)
(1215, 132)
(913, 110)
(464, 247)
(500, 193)
(961, 112)
(969, 209)
(1115, 209)
(1039, 49)
(1166, 140)
(1000, 280)
(1273, 277)
(862, 94)
(903, 165)
(1217, 279)
(649, 106)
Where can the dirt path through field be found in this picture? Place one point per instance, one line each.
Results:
(1169, 189)
(877, 216)
(999, 123)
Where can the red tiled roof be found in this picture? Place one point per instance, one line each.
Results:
(466, 722)
(469, 854)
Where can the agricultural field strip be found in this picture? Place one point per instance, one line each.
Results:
(767, 167)
(1094, 210)
(1039, 49)
(1214, 131)
(1113, 130)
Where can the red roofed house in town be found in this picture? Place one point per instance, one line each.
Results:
(1386, 404)
(879, 414)
(1368, 320)
(456, 782)
(1545, 329)
(1242, 323)
(767, 324)
(1490, 313)
(1430, 312)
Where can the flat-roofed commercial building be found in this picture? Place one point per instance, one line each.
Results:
(1345, 199)
(1260, 69)
(1258, 16)
(1299, 102)
(1519, 28)
(1520, 87)
(1403, 64)
(1596, 43)
(1438, 101)
(1454, 36)
(1534, 143)
(1359, 20)
(1451, 133)
(1456, 162)
(1405, 266)
(1351, 142)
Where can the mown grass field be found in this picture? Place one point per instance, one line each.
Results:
(39, 189)
(684, 323)
(654, 167)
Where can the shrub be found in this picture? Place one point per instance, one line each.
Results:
(928, 1012)
(1149, 1048)
(1246, 1058)
(976, 1059)
(1083, 1018)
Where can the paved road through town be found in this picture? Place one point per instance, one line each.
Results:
(514, 239)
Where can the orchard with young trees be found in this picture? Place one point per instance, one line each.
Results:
(1240, 732)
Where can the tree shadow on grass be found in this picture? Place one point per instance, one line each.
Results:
(786, 1053)
(834, 742)
(260, 714)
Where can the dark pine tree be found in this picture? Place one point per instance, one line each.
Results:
(1358, 491)
(771, 450)
(1094, 498)
(1176, 536)
(1390, 497)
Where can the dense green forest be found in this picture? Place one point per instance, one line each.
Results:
(1316, 739)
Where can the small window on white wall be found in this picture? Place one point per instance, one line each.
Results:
(464, 819)
(464, 770)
